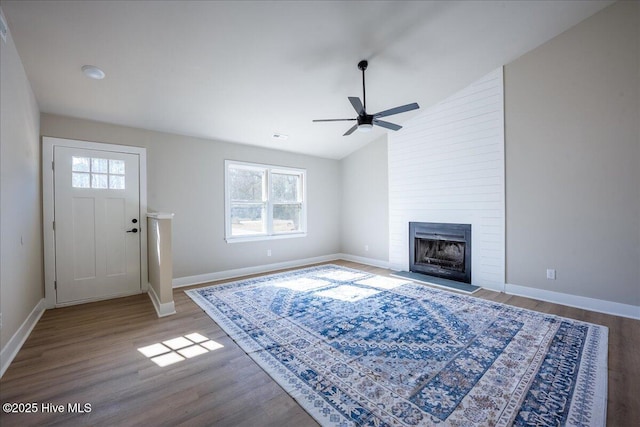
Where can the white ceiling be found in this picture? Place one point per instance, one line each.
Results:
(240, 71)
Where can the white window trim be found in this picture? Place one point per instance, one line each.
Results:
(269, 234)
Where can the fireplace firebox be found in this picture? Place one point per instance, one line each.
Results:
(441, 250)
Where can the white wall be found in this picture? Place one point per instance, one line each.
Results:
(365, 203)
(447, 165)
(21, 277)
(186, 177)
(573, 160)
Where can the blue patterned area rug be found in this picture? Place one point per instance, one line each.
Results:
(359, 349)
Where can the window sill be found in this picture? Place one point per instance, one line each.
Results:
(241, 239)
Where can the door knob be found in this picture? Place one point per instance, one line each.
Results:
(133, 230)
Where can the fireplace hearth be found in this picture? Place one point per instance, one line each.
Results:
(441, 250)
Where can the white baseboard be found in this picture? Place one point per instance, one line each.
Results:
(363, 260)
(239, 272)
(163, 309)
(592, 304)
(13, 346)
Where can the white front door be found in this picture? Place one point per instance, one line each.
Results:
(97, 224)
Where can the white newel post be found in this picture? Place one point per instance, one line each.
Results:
(160, 262)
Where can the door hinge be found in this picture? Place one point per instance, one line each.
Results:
(54, 226)
(55, 285)
(53, 167)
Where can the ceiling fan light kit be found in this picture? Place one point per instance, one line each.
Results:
(93, 72)
(364, 121)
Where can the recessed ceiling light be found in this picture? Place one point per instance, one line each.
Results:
(93, 72)
(280, 136)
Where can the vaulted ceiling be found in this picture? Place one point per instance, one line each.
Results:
(242, 71)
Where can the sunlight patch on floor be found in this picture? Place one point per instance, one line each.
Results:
(178, 349)
(348, 293)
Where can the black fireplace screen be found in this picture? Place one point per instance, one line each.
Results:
(440, 253)
(442, 250)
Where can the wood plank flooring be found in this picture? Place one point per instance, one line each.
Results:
(88, 354)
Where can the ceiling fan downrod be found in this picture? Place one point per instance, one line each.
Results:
(363, 66)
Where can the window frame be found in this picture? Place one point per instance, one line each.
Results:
(269, 233)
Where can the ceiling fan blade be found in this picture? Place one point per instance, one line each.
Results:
(357, 105)
(397, 110)
(350, 131)
(387, 125)
(334, 120)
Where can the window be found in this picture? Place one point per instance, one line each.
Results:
(89, 172)
(264, 201)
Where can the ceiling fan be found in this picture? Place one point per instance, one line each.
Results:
(366, 121)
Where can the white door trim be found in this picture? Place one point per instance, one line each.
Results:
(48, 145)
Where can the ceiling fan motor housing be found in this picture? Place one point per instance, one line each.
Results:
(366, 119)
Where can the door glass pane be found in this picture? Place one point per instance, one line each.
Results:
(284, 187)
(247, 218)
(80, 180)
(104, 173)
(116, 182)
(116, 167)
(98, 180)
(99, 165)
(286, 217)
(80, 164)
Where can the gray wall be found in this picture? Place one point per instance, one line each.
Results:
(21, 276)
(365, 202)
(573, 160)
(186, 175)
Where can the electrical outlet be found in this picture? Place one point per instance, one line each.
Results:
(268, 252)
(551, 274)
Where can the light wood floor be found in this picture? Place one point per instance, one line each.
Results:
(88, 354)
